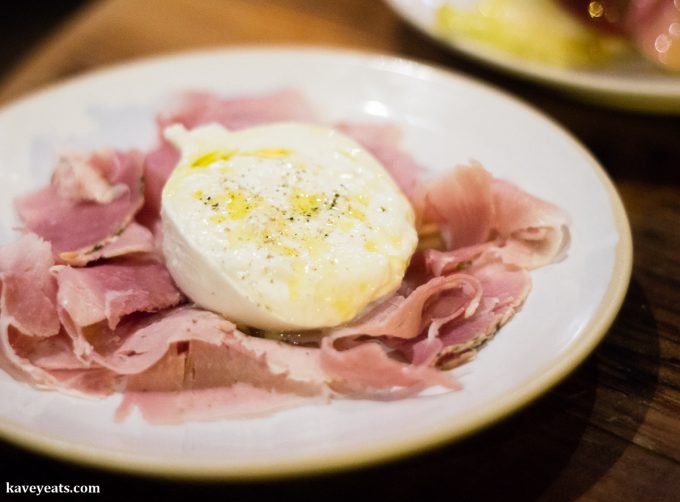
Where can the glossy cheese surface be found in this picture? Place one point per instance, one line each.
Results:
(283, 227)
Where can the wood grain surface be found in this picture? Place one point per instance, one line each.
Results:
(610, 432)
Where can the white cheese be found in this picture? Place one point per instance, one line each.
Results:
(283, 227)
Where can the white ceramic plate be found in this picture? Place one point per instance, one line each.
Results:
(631, 82)
(446, 119)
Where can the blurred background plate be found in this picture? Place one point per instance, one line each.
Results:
(630, 83)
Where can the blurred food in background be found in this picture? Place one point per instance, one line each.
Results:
(570, 32)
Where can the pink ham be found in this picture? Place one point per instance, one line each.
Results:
(382, 141)
(114, 324)
(367, 370)
(65, 214)
(406, 317)
(48, 363)
(505, 289)
(79, 178)
(134, 240)
(188, 363)
(536, 231)
(361, 364)
(441, 262)
(113, 290)
(460, 203)
(158, 166)
(140, 343)
(237, 401)
(197, 108)
(477, 215)
(28, 292)
(31, 345)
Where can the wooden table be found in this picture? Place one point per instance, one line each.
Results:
(611, 431)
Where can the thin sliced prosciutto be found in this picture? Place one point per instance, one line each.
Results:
(87, 206)
(504, 289)
(361, 357)
(187, 363)
(49, 363)
(87, 306)
(28, 292)
(110, 291)
(223, 378)
(477, 214)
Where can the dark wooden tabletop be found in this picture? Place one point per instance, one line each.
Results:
(611, 431)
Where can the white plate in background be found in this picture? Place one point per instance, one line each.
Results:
(630, 82)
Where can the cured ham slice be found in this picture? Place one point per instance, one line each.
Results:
(367, 370)
(197, 108)
(87, 306)
(224, 380)
(28, 292)
(49, 363)
(188, 363)
(113, 290)
(67, 214)
(158, 166)
(134, 240)
(360, 363)
(78, 178)
(406, 317)
(460, 204)
(240, 400)
(504, 290)
(477, 215)
(536, 231)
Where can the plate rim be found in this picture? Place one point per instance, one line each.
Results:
(664, 99)
(470, 423)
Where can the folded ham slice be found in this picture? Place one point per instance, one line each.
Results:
(28, 292)
(504, 289)
(187, 363)
(49, 363)
(477, 214)
(85, 207)
(113, 290)
(460, 203)
(134, 240)
(536, 231)
(359, 359)
(32, 346)
(192, 109)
